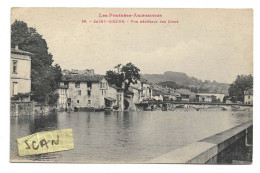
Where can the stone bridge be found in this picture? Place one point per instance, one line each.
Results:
(168, 105)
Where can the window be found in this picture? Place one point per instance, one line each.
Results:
(66, 84)
(79, 92)
(100, 84)
(15, 66)
(89, 93)
(89, 85)
(89, 102)
(77, 101)
(15, 88)
(77, 85)
(248, 97)
(102, 92)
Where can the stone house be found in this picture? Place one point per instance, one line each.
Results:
(143, 89)
(248, 96)
(209, 97)
(137, 94)
(85, 91)
(20, 73)
(186, 95)
(62, 104)
(115, 98)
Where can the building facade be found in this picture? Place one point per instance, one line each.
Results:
(115, 98)
(62, 103)
(210, 97)
(85, 91)
(142, 90)
(20, 73)
(248, 96)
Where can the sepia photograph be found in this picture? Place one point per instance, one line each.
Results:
(131, 85)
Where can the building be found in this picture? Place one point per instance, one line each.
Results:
(62, 104)
(20, 73)
(144, 89)
(85, 91)
(170, 95)
(248, 96)
(186, 95)
(137, 94)
(210, 97)
(115, 98)
(147, 93)
(157, 95)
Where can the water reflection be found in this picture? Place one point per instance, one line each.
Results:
(124, 136)
(127, 120)
(43, 123)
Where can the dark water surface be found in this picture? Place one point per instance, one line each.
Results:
(124, 136)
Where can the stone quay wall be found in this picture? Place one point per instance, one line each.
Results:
(21, 108)
(233, 146)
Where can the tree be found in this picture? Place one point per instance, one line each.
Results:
(115, 78)
(128, 73)
(237, 88)
(131, 74)
(44, 75)
(53, 98)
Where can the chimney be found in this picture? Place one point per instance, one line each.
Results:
(16, 47)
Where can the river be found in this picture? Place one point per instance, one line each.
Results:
(124, 136)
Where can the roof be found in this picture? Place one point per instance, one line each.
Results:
(19, 51)
(82, 78)
(209, 94)
(249, 92)
(118, 88)
(184, 91)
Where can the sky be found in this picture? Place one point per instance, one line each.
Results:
(209, 44)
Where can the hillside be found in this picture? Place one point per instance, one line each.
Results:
(181, 80)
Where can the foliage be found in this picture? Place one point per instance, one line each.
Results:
(182, 80)
(129, 74)
(44, 75)
(20, 96)
(115, 78)
(237, 88)
(53, 98)
(174, 85)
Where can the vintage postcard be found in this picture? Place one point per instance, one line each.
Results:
(131, 85)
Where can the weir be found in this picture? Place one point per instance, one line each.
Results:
(233, 146)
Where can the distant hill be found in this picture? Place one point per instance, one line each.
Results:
(178, 77)
(182, 80)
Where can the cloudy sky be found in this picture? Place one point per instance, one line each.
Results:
(212, 44)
